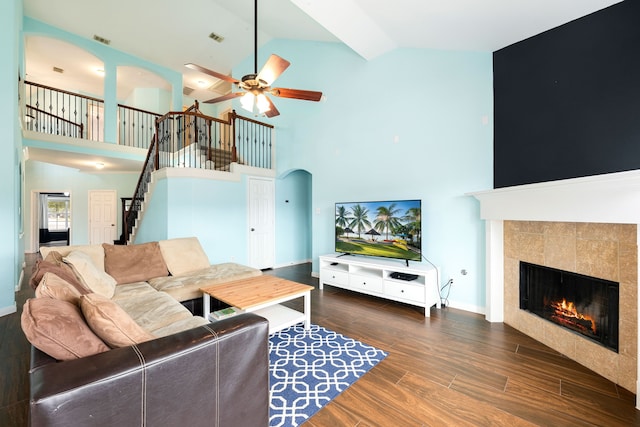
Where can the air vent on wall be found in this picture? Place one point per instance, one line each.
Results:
(101, 39)
(216, 37)
(58, 70)
(186, 90)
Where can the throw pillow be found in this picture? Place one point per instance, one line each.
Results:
(111, 323)
(134, 263)
(94, 251)
(52, 286)
(183, 255)
(53, 263)
(95, 279)
(57, 328)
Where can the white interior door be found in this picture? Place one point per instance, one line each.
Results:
(102, 216)
(261, 223)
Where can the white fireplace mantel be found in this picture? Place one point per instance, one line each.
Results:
(608, 198)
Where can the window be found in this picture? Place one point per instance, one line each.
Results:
(58, 213)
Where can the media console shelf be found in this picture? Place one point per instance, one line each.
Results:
(374, 277)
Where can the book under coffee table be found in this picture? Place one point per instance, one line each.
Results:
(262, 295)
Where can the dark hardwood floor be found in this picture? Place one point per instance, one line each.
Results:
(454, 368)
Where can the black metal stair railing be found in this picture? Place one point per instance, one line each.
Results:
(141, 189)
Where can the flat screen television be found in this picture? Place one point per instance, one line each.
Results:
(388, 228)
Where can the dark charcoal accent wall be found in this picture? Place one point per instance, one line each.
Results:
(567, 101)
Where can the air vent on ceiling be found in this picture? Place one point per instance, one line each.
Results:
(101, 39)
(216, 37)
(221, 87)
(58, 70)
(186, 90)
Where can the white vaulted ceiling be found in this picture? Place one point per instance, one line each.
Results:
(171, 33)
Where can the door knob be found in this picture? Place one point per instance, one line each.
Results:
(253, 229)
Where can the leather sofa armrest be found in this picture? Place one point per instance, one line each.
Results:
(213, 375)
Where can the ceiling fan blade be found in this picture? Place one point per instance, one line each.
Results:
(212, 73)
(224, 97)
(273, 68)
(273, 111)
(306, 95)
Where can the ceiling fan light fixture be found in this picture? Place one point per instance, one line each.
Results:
(247, 100)
(262, 103)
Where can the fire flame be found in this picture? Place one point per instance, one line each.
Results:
(566, 309)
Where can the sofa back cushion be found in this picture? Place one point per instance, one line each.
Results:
(94, 251)
(111, 323)
(134, 263)
(52, 286)
(57, 328)
(90, 275)
(183, 255)
(53, 263)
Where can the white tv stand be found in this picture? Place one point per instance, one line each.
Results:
(372, 276)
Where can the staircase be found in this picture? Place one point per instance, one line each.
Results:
(189, 139)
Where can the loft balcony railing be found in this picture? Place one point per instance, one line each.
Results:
(58, 112)
(190, 139)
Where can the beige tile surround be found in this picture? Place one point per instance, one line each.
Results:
(606, 251)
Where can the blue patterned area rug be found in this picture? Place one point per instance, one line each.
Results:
(309, 368)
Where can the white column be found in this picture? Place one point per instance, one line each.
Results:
(494, 304)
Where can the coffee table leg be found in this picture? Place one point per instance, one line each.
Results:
(307, 310)
(206, 305)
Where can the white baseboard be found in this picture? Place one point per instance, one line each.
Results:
(467, 307)
(21, 276)
(289, 264)
(4, 311)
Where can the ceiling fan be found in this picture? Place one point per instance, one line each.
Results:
(255, 87)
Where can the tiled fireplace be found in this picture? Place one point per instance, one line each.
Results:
(587, 226)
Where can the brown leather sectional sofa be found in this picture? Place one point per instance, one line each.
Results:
(215, 375)
(114, 346)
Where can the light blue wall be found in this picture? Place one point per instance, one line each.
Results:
(150, 99)
(293, 218)
(439, 106)
(214, 211)
(11, 253)
(45, 177)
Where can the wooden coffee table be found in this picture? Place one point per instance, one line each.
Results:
(262, 295)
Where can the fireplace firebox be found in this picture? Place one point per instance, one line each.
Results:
(585, 305)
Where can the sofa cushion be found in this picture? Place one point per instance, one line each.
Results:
(134, 263)
(187, 286)
(92, 277)
(111, 323)
(52, 286)
(183, 255)
(57, 328)
(154, 310)
(180, 325)
(94, 251)
(132, 290)
(53, 263)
